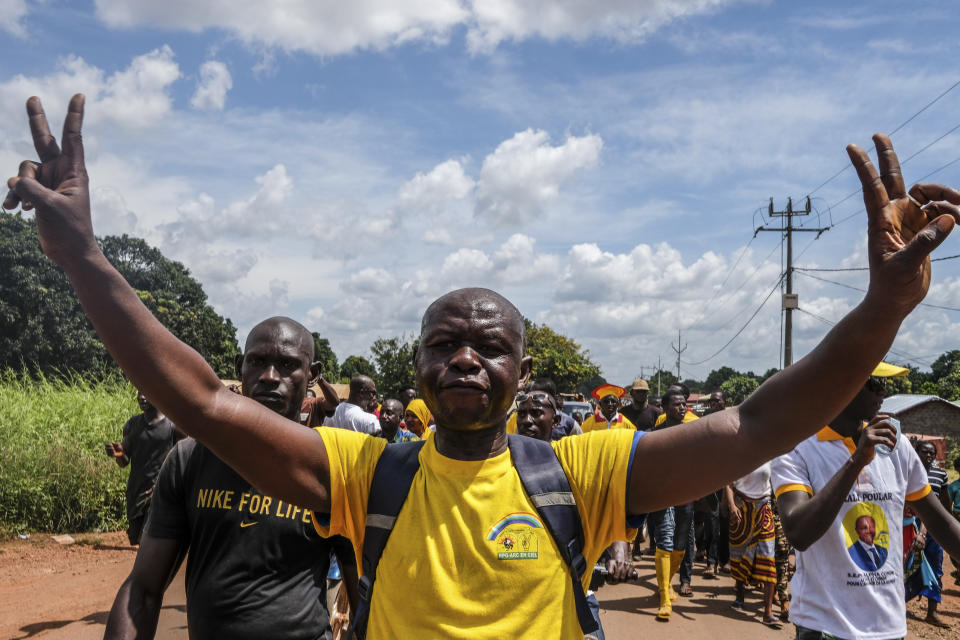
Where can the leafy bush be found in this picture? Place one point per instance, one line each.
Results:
(54, 476)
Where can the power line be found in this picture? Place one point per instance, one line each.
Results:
(706, 307)
(737, 334)
(895, 352)
(738, 289)
(861, 210)
(953, 257)
(898, 128)
(847, 286)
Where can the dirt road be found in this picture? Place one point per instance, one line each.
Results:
(64, 593)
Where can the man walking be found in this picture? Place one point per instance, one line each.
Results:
(147, 437)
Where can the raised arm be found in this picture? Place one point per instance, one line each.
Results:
(175, 377)
(902, 230)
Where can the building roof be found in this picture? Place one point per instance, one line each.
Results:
(905, 401)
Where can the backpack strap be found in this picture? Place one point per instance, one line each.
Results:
(391, 482)
(546, 484)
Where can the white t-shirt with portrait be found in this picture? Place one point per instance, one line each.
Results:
(849, 583)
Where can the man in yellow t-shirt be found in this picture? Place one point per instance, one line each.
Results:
(607, 415)
(473, 546)
(688, 416)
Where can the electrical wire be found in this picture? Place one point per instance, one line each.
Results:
(847, 286)
(741, 330)
(737, 290)
(898, 128)
(953, 257)
(861, 210)
(706, 307)
(907, 356)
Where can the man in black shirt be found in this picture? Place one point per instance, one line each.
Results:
(642, 415)
(257, 568)
(147, 437)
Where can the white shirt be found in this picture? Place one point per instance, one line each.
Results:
(353, 418)
(835, 590)
(756, 484)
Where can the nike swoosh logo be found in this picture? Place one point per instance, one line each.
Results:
(244, 525)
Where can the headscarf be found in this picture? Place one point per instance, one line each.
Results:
(419, 408)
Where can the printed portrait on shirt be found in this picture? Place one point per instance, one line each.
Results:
(867, 535)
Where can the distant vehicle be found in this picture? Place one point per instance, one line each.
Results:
(569, 406)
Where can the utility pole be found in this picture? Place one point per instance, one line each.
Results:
(679, 350)
(789, 301)
(659, 368)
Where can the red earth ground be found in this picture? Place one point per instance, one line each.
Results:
(64, 592)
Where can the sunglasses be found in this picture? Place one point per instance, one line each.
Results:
(539, 398)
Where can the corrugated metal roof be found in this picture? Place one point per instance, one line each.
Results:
(904, 401)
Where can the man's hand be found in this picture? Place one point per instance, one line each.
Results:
(114, 449)
(619, 567)
(878, 431)
(902, 230)
(56, 186)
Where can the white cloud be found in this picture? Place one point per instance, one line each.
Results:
(525, 172)
(138, 96)
(13, 12)
(212, 88)
(625, 22)
(325, 27)
(431, 191)
(134, 98)
(318, 27)
(262, 213)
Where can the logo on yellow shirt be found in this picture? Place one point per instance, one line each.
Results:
(517, 537)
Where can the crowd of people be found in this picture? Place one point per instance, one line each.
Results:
(468, 532)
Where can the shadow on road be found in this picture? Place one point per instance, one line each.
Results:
(98, 618)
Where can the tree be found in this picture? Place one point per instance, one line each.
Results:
(394, 361)
(717, 377)
(768, 374)
(662, 377)
(43, 327)
(559, 358)
(946, 364)
(736, 389)
(695, 386)
(356, 366)
(323, 353)
(176, 299)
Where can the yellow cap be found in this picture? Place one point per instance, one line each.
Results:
(887, 370)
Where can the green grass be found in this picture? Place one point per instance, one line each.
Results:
(54, 475)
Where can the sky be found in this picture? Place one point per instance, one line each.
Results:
(603, 164)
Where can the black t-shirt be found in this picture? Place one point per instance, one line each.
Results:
(641, 418)
(257, 567)
(146, 445)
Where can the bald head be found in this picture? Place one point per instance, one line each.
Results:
(284, 329)
(478, 302)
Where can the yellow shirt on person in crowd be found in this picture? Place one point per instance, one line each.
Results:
(596, 422)
(689, 416)
(476, 552)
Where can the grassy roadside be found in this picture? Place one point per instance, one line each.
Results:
(54, 476)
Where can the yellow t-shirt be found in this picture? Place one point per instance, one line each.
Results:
(689, 416)
(592, 424)
(469, 542)
(512, 423)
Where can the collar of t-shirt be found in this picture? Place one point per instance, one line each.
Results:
(827, 434)
(599, 417)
